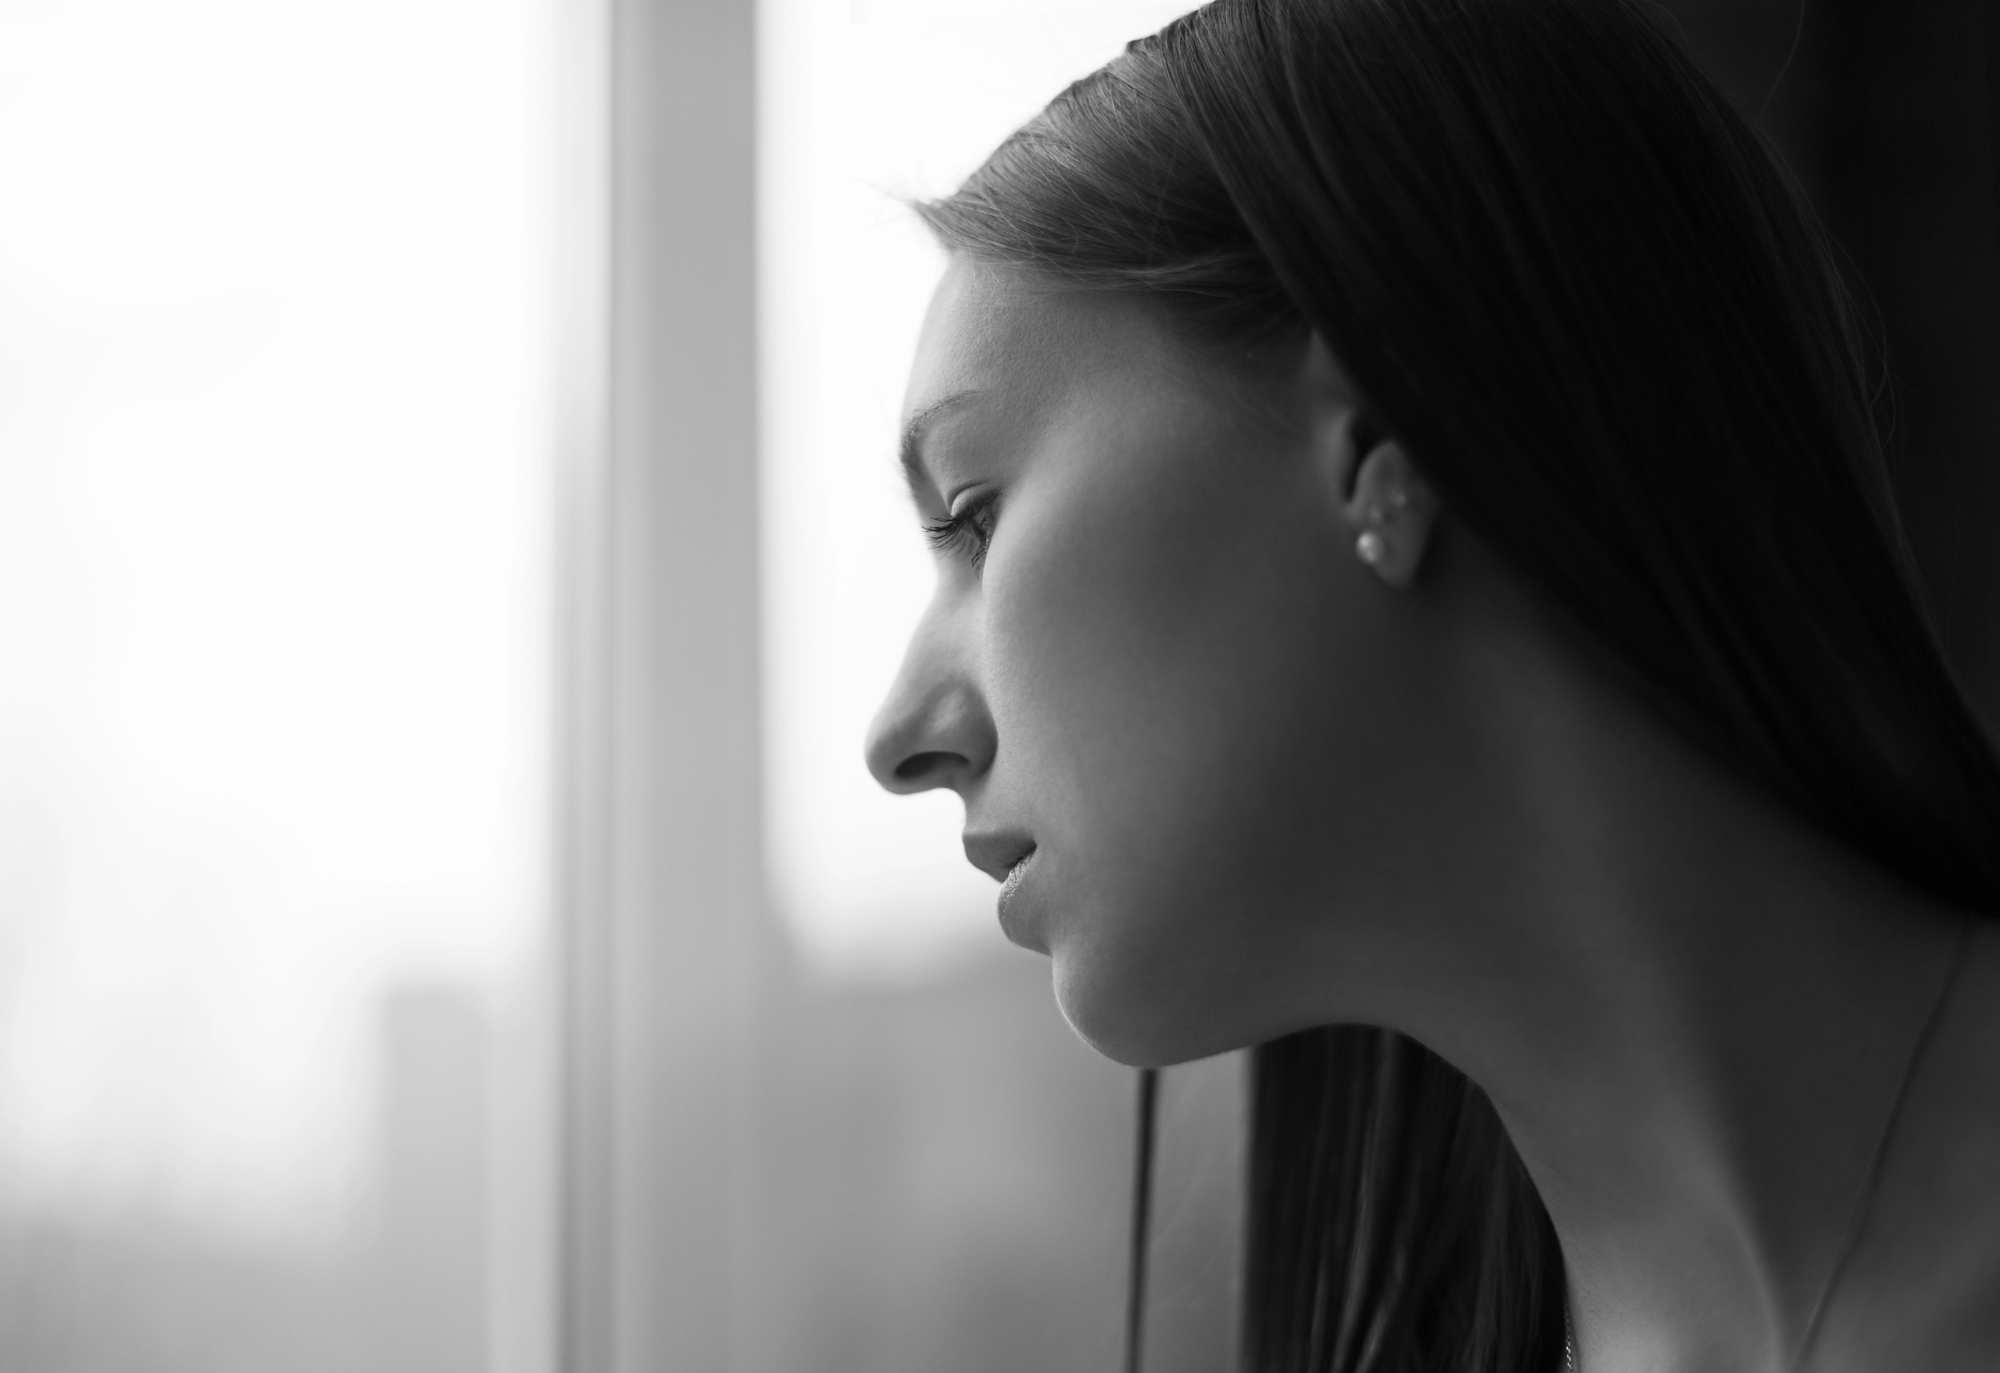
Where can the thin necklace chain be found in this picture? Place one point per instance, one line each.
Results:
(1864, 1196)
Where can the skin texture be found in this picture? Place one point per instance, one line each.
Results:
(1262, 783)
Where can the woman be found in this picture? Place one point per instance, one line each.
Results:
(1415, 557)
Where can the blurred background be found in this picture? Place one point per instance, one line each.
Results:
(274, 689)
(450, 547)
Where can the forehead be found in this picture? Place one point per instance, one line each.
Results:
(998, 332)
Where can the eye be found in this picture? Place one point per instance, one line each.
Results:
(968, 530)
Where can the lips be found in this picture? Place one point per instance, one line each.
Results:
(1000, 854)
(1014, 875)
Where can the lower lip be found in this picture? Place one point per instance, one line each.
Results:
(1015, 876)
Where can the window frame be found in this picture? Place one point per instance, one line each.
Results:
(659, 831)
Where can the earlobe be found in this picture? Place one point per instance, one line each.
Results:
(1393, 512)
(1368, 478)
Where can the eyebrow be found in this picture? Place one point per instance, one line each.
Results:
(915, 428)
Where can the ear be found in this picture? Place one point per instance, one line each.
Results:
(1385, 501)
(1368, 478)
(1392, 510)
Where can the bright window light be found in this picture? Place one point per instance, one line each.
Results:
(273, 424)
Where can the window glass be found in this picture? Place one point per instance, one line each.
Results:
(273, 601)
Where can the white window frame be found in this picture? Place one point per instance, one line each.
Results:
(659, 825)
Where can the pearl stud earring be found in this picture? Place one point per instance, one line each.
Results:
(1371, 547)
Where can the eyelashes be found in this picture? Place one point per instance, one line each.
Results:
(968, 530)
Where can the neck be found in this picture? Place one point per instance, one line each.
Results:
(1706, 1013)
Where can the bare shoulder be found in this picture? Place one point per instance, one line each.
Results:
(1923, 1291)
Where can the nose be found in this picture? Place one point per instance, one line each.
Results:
(934, 729)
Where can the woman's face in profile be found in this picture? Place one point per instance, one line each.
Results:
(1167, 691)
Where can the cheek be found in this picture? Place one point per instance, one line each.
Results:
(1157, 639)
(1164, 673)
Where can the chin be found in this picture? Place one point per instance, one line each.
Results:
(1126, 1018)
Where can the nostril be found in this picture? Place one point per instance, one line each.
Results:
(920, 765)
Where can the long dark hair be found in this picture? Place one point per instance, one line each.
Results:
(1585, 297)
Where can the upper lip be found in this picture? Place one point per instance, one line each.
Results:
(996, 852)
